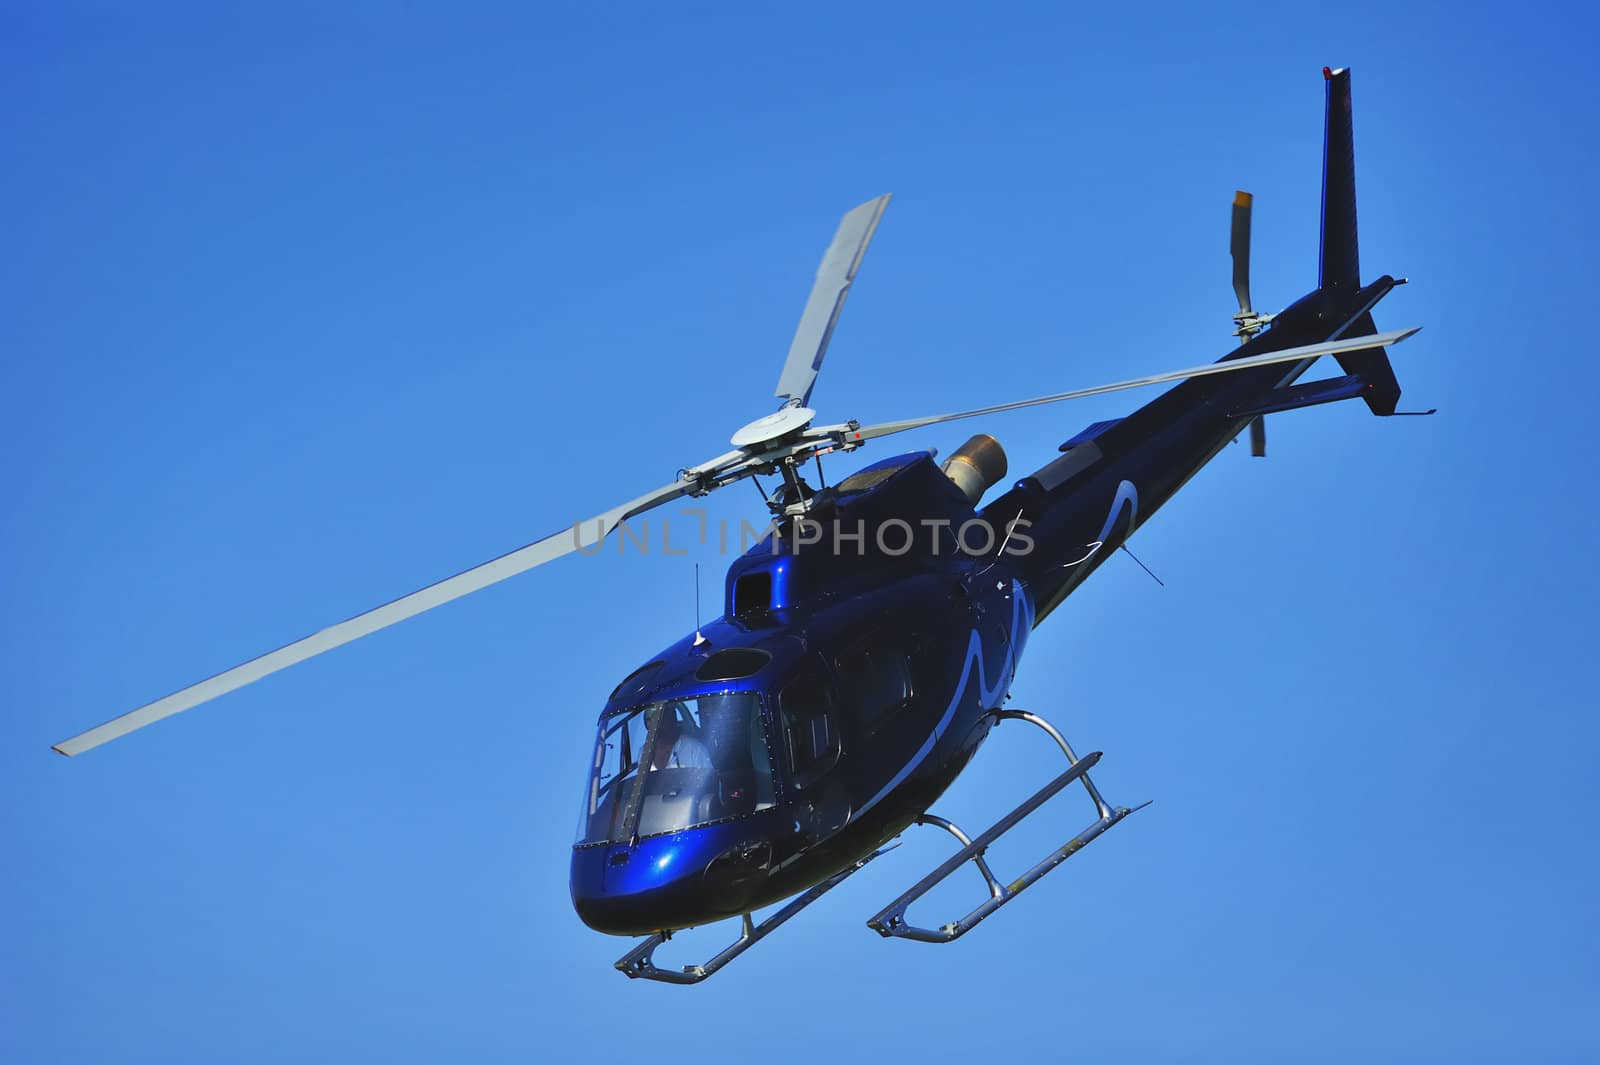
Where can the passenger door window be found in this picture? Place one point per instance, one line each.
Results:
(810, 725)
(874, 682)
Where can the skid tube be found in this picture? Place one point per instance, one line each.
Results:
(891, 920)
(638, 963)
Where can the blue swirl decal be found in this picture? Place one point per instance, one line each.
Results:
(1126, 493)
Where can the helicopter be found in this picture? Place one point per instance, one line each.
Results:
(870, 638)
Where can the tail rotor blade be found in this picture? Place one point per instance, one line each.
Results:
(834, 277)
(1239, 247)
(1258, 437)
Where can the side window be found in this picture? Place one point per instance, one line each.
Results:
(874, 682)
(752, 592)
(810, 725)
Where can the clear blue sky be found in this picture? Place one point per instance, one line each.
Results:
(303, 310)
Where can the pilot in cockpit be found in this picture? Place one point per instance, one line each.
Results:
(676, 747)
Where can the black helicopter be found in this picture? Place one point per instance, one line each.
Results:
(869, 640)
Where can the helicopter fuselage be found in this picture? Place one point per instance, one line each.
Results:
(868, 673)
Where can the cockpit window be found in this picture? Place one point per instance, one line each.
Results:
(667, 766)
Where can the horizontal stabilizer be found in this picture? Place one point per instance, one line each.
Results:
(1309, 394)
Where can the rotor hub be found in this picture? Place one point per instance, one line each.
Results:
(774, 426)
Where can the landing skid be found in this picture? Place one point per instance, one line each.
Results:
(637, 964)
(891, 920)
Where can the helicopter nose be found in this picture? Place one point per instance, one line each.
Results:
(688, 878)
(650, 886)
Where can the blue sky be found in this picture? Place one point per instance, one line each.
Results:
(306, 309)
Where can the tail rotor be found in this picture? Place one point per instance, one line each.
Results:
(1247, 323)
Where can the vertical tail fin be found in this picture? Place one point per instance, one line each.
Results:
(1340, 266)
(1340, 269)
(1383, 391)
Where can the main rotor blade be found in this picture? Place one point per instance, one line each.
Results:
(834, 276)
(1239, 248)
(592, 532)
(1309, 351)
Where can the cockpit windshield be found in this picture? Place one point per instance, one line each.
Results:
(667, 766)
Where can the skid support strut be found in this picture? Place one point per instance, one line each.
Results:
(638, 963)
(891, 920)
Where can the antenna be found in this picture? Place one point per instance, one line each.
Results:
(698, 639)
(1142, 566)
